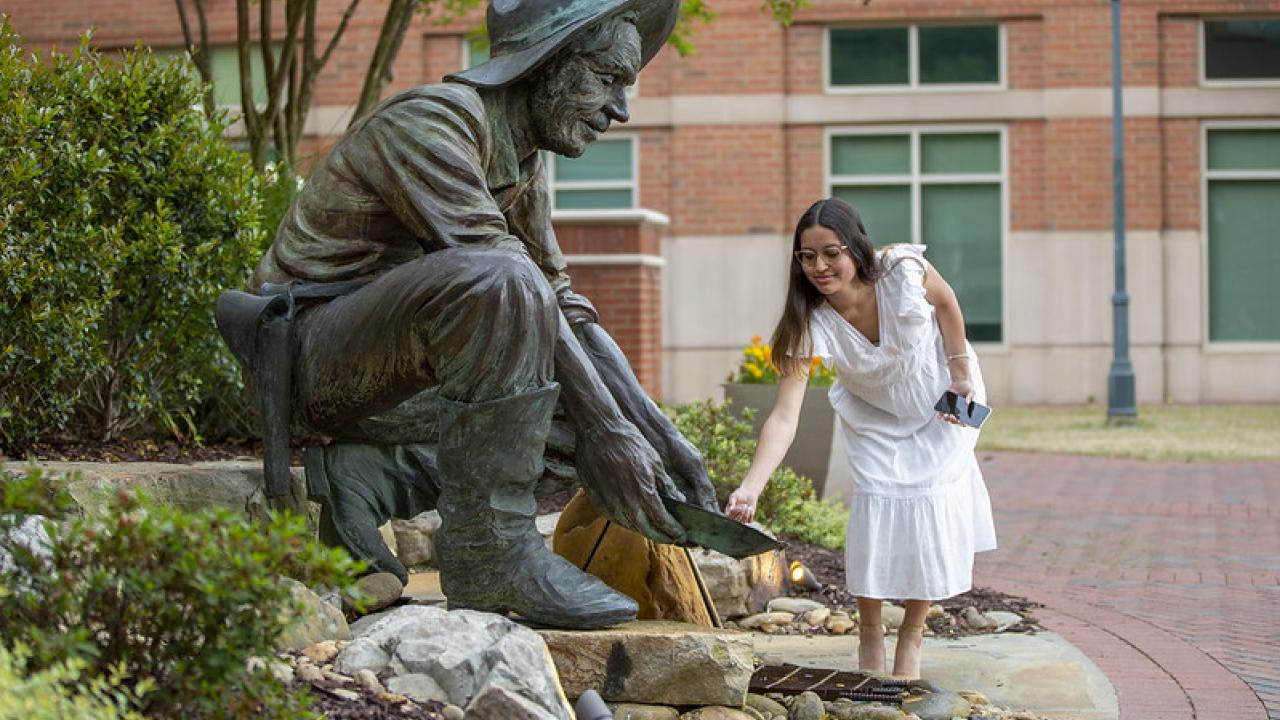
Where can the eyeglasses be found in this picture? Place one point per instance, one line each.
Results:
(830, 253)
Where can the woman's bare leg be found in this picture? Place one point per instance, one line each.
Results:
(870, 635)
(906, 656)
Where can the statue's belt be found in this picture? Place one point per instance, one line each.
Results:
(258, 329)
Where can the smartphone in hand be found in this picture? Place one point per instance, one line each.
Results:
(972, 414)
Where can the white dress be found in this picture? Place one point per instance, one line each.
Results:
(920, 508)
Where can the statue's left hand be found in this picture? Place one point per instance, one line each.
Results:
(623, 476)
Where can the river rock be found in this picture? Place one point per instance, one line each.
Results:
(654, 663)
(848, 710)
(892, 615)
(930, 702)
(316, 621)
(840, 623)
(766, 618)
(1003, 619)
(808, 706)
(419, 686)
(795, 606)
(634, 711)
(766, 706)
(726, 581)
(715, 712)
(816, 617)
(466, 653)
(976, 620)
(415, 539)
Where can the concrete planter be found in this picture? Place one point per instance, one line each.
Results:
(817, 452)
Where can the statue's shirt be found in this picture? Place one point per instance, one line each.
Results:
(428, 169)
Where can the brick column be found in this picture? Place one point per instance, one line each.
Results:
(615, 259)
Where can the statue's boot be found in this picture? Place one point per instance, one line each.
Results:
(491, 555)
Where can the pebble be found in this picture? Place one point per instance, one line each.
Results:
(839, 623)
(935, 611)
(795, 606)
(974, 697)
(368, 680)
(452, 712)
(817, 616)
(392, 697)
(321, 652)
(976, 620)
(768, 618)
(862, 711)
(345, 694)
(766, 706)
(309, 673)
(281, 671)
(892, 615)
(334, 677)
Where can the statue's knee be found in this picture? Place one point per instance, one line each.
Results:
(517, 282)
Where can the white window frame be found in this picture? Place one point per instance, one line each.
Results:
(916, 181)
(632, 90)
(1201, 61)
(1206, 175)
(913, 62)
(632, 184)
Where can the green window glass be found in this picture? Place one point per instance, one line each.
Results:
(871, 155)
(869, 56)
(959, 54)
(1252, 149)
(885, 210)
(603, 160)
(960, 153)
(224, 63)
(961, 225)
(1242, 49)
(1244, 213)
(603, 178)
(1243, 257)
(593, 199)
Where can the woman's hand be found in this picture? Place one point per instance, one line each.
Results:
(963, 388)
(742, 505)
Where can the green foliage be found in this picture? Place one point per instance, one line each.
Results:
(178, 602)
(788, 506)
(123, 214)
(699, 11)
(58, 692)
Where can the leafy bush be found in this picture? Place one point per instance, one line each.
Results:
(179, 602)
(788, 506)
(57, 692)
(123, 214)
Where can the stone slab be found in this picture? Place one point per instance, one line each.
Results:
(654, 663)
(1042, 673)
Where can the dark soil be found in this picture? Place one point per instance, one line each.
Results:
(166, 451)
(367, 707)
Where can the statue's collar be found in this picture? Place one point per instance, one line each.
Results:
(504, 165)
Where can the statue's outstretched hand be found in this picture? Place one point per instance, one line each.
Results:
(623, 476)
(689, 472)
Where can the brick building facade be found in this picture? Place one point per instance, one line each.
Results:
(981, 128)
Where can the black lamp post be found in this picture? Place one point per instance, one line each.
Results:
(1122, 406)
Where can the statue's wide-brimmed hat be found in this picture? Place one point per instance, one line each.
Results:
(525, 33)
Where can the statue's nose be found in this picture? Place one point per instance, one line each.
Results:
(616, 107)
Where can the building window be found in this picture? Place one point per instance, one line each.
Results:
(224, 67)
(1242, 175)
(914, 56)
(1245, 50)
(941, 188)
(604, 178)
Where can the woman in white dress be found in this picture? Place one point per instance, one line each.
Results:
(892, 329)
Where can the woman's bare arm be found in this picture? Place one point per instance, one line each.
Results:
(776, 435)
(951, 322)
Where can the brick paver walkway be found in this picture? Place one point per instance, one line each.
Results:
(1166, 574)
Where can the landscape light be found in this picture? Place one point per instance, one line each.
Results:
(803, 577)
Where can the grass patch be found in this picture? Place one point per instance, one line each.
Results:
(1163, 432)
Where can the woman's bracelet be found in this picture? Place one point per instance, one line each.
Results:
(957, 357)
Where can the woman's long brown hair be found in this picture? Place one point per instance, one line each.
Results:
(792, 342)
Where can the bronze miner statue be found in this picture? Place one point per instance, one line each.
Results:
(415, 308)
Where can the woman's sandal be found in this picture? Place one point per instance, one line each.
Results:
(907, 653)
(871, 648)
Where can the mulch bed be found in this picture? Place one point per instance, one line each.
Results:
(367, 707)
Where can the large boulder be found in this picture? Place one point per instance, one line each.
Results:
(472, 656)
(655, 663)
(742, 587)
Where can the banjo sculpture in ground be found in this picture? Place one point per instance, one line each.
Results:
(414, 307)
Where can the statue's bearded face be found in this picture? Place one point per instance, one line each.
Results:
(578, 95)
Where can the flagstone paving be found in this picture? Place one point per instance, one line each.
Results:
(1167, 575)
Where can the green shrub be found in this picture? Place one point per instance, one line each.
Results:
(123, 214)
(177, 601)
(58, 692)
(788, 506)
